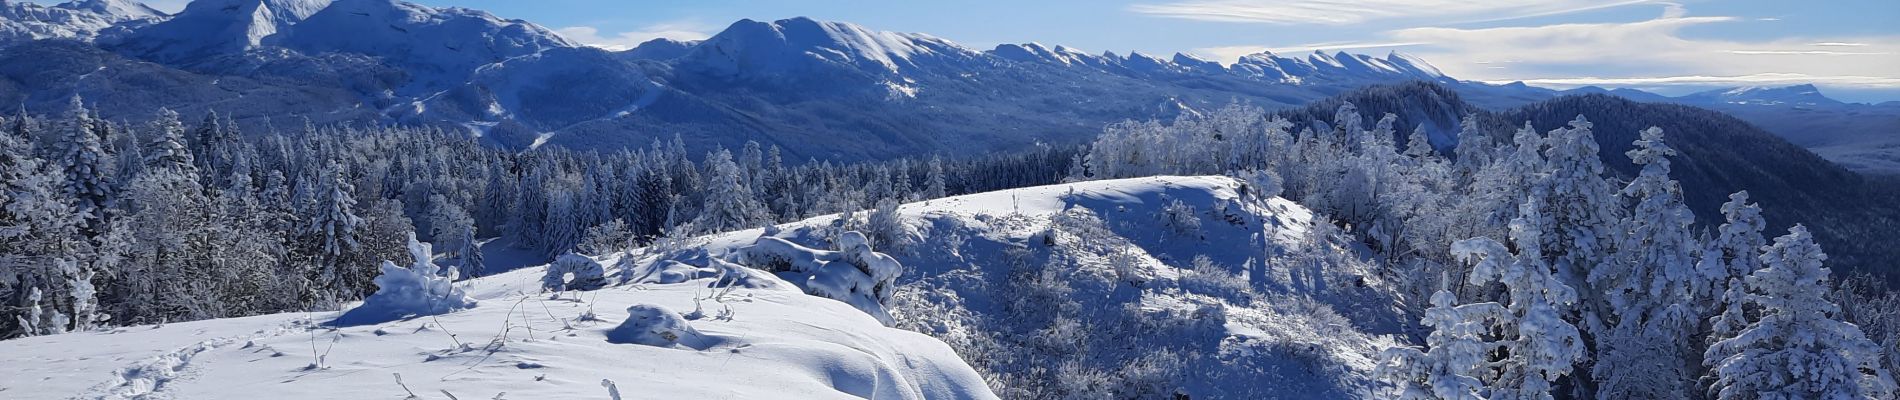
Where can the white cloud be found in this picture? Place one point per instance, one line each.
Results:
(1345, 12)
(1768, 79)
(591, 36)
(1805, 52)
(1654, 52)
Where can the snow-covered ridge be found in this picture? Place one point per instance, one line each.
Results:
(1168, 283)
(790, 45)
(80, 19)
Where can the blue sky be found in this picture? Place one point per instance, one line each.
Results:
(1850, 47)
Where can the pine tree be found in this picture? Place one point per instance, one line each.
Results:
(1456, 356)
(167, 149)
(1735, 253)
(1473, 149)
(334, 224)
(934, 185)
(729, 203)
(1418, 146)
(1651, 289)
(1798, 349)
(38, 227)
(1540, 347)
(83, 160)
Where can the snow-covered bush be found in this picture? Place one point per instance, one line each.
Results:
(653, 325)
(885, 228)
(420, 289)
(587, 274)
(688, 265)
(606, 238)
(1181, 218)
(855, 274)
(1261, 183)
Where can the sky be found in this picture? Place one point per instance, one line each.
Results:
(1850, 48)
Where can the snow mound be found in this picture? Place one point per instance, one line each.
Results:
(421, 289)
(585, 274)
(653, 325)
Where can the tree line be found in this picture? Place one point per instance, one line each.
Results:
(1533, 273)
(108, 223)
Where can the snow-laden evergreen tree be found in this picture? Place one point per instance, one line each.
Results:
(1538, 344)
(1652, 288)
(167, 149)
(83, 159)
(729, 203)
(1473, 150)
(1456, 353)
(334, 224)
(1418, 146)
(168, 214)
(1740, 236)
(1735, 250)
(934, 187)
(38, 231)
(1799, 349)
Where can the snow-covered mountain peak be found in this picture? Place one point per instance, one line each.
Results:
(438, 46)
(82, 20)
(121, 9)
(1802, 95)
(209, 27)
(791, 44)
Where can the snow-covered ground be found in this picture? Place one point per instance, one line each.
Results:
(1141, 288)
(772, 343)
(1147, 287)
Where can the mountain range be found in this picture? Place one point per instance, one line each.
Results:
(817, 89)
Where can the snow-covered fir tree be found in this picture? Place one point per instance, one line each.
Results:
(1798, 349)
(1539, 345)
(1651, 287)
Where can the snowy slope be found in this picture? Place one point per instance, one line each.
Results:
(1091, 290)
(777, 343)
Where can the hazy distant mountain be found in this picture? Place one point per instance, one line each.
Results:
(818, 89)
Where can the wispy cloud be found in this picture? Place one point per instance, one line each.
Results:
(1804, 52)
(1342, 12)
(1654, 52)
(677, 30)
(1877, 82)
